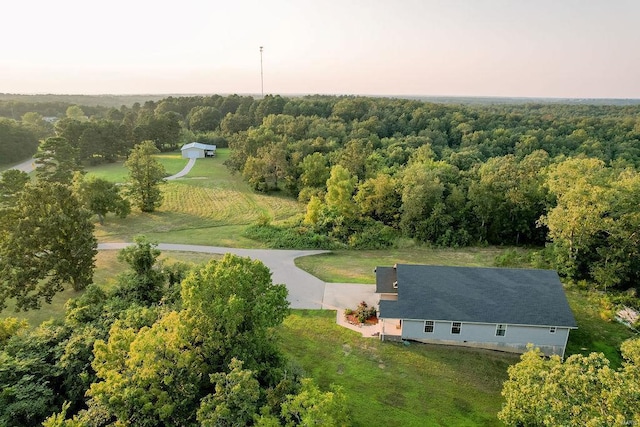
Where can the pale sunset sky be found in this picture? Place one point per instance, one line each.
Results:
(506, 48)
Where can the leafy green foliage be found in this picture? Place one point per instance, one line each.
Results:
(151, 376)
(47, 243)
(281, 237)
(101, 197)
(235, 400)
(17, 141)
(144, 282)
(9, 326)
(232, 305)
(313, 407)
(583, 390)
(56, 161)
(12, 182)
(145, 176)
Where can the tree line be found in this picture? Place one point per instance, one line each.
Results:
(375, 170)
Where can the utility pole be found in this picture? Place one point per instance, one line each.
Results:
(261, 75)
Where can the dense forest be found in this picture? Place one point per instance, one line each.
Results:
(375, 171)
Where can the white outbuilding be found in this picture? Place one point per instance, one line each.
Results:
(197, 150)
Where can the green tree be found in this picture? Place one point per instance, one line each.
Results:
(101, 197)
(312, 407)
(17, 141)
(47, 244)
(581, 213)
(204, 118)
(144, 282)
(12, 182)
(74, 112)
(29, 376)
(340, 189)
(232, 306)
(145, 176)
(37, 124)
(379, 198)
(235, 400)
(9, 326)
(582, 391)
(267, 167)
(56, 160)
(315, 171)
(150, 377)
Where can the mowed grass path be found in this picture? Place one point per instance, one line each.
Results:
(209, 206)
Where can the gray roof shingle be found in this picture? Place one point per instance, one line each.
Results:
(484, 295)
(385, 277)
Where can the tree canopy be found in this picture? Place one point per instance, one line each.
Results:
(145, 176)
(47, 243)
(581, 391)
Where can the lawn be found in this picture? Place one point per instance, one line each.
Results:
(390, 384)
(357, 266)
(209, 206)
(593, 333)
(107, 269)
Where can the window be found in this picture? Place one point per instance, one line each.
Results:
(552, 330)
(428, 326)
(455, 327)
(501, 330)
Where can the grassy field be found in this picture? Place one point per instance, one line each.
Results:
(107, 269)
(389, 384)
(207, 207)
(357, 266)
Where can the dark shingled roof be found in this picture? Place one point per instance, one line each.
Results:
(484, 295)
(385, 276)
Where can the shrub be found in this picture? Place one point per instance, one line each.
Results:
(290, 237)
(374, 236)
(363, 312)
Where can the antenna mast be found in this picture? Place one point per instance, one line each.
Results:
(261, 75)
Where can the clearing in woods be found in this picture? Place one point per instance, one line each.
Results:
(209, 206)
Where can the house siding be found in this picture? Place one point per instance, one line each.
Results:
(483, 335)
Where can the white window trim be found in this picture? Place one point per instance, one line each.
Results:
(552, 329)
(504, 328)
(433, 326)
(459, 328)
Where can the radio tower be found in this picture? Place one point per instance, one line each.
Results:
(261, 75)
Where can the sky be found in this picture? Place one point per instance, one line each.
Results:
(502, 48)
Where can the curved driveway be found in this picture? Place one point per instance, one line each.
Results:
(26, 166)
(305, 290)
(184, 171)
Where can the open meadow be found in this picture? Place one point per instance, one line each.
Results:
(207, 207)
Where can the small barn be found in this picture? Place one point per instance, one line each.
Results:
(494, 308)
(197, 150)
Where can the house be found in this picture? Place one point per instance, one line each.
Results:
(196, 150)
(494, 308)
